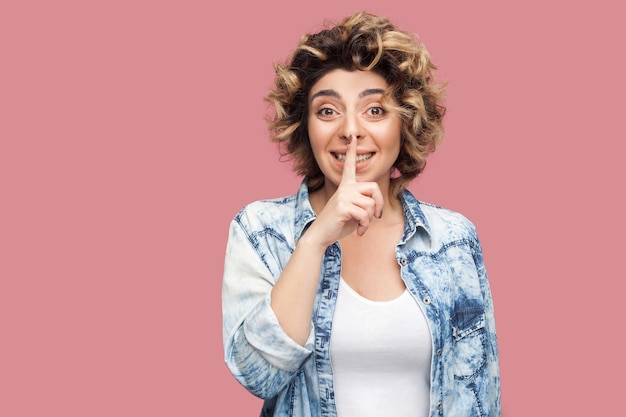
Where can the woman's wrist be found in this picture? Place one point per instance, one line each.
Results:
(312, 242)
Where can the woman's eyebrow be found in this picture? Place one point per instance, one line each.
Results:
(326, 93)
(333, 93)
(371, 91)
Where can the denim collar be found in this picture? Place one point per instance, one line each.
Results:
(413, 215)
(304, 211)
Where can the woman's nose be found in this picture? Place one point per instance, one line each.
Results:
(351, 127)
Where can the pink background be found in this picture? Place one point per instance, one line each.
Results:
(132, 131)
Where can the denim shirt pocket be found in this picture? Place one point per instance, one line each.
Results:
(468, 334)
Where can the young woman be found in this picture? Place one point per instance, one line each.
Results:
(351, 298)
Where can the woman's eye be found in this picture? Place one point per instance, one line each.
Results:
(376, 111)
(326, 112)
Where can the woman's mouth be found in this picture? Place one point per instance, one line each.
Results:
(341, 157)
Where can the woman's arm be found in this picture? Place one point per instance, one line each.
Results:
(261, 356)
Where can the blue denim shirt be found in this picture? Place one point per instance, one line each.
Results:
(442, 266)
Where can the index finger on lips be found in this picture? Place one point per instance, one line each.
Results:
(349, 165)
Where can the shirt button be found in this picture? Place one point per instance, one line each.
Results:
(426, 300)
(403, 261)
(439, 406)
(439, 352)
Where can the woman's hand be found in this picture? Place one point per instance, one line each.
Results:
(352, 206)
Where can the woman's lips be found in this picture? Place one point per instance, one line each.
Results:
(341, 157)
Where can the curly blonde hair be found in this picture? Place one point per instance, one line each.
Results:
(360, 42)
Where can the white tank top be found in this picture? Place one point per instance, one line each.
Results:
(380, 353)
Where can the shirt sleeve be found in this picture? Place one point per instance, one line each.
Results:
(261, 356)
(490, 392)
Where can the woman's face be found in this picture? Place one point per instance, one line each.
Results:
(349, 103)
